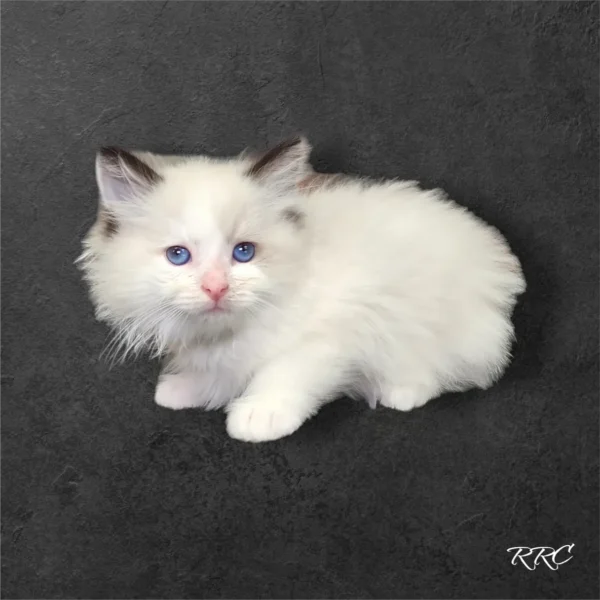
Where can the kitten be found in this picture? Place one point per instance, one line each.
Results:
(270, 291)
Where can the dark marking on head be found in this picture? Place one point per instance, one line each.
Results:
(295, 216)
(270, 156)
(107, 223)
(114, 158)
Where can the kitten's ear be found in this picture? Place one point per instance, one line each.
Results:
(122, 176)
(284, 166)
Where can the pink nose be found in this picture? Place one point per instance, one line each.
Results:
(215, 291)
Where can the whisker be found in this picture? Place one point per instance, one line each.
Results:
(142, 332)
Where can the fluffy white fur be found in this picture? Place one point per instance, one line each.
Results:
(377, 290)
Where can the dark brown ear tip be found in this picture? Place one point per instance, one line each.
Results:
(296, 141)
(110, 153)
(271, 156)
(114, 157)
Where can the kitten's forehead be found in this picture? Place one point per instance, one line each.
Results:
(206, 196)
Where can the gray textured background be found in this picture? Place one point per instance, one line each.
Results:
(105, 495)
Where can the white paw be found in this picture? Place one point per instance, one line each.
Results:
(177, 391)
(261, 421)
(406, 398)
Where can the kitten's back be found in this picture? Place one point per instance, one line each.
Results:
(419, 270)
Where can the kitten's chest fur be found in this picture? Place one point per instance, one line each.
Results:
(225, 366)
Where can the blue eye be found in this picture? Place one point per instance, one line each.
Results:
(244, 252)
(178, 255)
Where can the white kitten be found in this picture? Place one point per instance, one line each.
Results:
(270, 301)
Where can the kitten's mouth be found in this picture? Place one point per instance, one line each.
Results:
(216, 309)
(208, 311)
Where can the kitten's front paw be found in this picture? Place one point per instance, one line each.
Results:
(262, 421)
(177, 391)
(406, 398)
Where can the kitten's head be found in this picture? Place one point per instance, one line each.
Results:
(193, 249)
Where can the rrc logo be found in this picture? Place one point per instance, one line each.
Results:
(532, 557)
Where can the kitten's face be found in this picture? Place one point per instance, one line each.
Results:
(194, 251)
